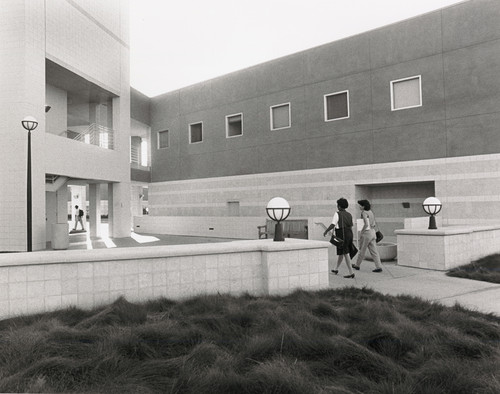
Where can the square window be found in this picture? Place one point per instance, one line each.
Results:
(337, 106)
(406, 93)
(163, 139)
(280, 116)
(234, 125)
(195, 133)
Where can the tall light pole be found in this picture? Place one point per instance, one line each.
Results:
(30, 124)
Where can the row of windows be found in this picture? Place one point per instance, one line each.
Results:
(405, 93)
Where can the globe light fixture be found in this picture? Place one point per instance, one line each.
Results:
(278, 210)
(30, 124)
(432, 206)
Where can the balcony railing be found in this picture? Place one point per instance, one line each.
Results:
(94, 134)
(135, 156)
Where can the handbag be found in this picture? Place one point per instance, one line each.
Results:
(337, 241)
(378, 235)
(353, 250)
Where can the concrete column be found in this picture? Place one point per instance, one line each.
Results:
(135, 200)
(50, 213)
(120, 223)
(62, 204)
(111, 226)
(95, 210)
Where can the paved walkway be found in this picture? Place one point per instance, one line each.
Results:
(394, 280)
(427, 284)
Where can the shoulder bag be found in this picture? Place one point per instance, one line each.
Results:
(379, 236)
(337, 241)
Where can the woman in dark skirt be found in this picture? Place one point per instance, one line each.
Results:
(342, 223)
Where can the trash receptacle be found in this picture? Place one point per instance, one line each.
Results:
(60, 236)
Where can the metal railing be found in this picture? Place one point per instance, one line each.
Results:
(94, 134)
(135, 155)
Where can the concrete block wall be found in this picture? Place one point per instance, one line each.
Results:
(448, 247)
(22, 93)
(44, 281)
(448, 147)
(201, 226)
(457, 63)
(304, 269)
(468, 188)
(86, 38)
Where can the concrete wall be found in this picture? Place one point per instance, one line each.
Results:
(219, 227)
(457, 61)
(447, 247)
(101, 31)
(468, 187)
(22, 93)
(57, 117)
(90, 39)
(140, 107)
(44, 281)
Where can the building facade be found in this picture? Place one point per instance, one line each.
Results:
(71, 56)
(393, 115)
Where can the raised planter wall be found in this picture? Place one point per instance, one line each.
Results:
(43, 281)
(446, 247)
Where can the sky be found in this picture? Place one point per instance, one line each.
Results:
(174, 44)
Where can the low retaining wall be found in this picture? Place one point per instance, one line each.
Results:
(200, 226)
(43, 281)
(446, 247)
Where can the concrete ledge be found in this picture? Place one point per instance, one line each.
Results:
(445, 231)
(42, 281)
(117, 254)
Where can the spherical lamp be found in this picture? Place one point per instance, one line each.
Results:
(432, 206)
(278, 210)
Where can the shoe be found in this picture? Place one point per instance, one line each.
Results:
(377, 270)
(335, 272)
(355, 266)
(349, 276)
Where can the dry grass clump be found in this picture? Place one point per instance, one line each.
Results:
(334, 341)
(486, 269)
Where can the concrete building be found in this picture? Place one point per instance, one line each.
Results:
(74, 57)
(393, 115)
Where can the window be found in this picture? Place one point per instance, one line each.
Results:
(336, 106)
(163, 139)
(280, 116)
(234, 125)
(195, 133)
(406, 93)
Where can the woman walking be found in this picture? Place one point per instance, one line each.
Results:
(342, 223)
(368, 238)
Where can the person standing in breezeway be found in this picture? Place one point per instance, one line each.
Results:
(368, 237)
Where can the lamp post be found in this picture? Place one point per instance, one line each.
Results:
(278, 210)
(432, 206)
(30, 124)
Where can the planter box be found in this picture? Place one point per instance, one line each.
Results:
(387, 251)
